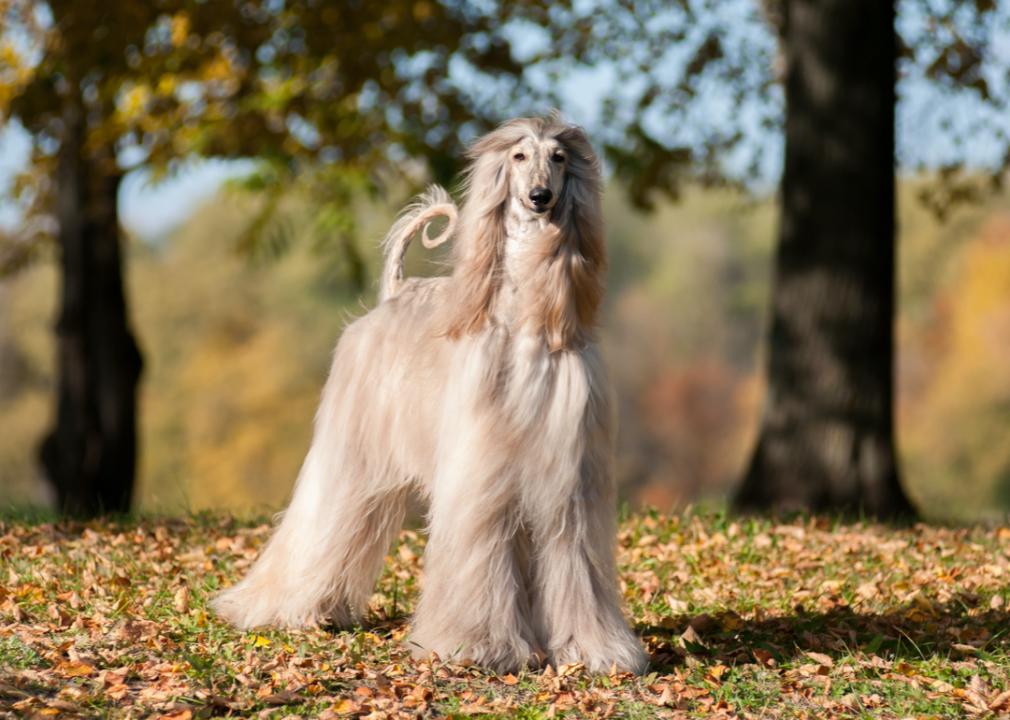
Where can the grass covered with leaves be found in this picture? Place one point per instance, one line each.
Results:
(743, 618)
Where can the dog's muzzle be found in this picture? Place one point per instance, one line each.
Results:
(540, 197)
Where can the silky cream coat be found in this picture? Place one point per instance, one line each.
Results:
(484, 391)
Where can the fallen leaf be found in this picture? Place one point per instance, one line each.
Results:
(821, 659)
(181, 600)
(71, 669)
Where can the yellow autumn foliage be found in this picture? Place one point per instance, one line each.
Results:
(133, 102)
(956, 419)
(237, 350)
(180, 28)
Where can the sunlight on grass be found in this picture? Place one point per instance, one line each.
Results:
(742, 617)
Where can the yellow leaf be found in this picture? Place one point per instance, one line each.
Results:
(9, 57)
(261, 641)
(29, 593)
(166, 84)
(180, 28)
(134, 102)
(75, 669)
(343, 706)
(422, 10)
(219, 68)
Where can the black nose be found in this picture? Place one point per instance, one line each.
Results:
(541, 195)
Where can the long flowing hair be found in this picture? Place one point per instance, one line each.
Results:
(564, 289)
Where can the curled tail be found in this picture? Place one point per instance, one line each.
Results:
(433, 204)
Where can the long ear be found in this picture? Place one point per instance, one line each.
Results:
(477, 253)
(575, 259)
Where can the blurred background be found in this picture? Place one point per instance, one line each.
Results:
(257, 152)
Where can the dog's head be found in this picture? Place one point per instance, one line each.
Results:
(536, 168)
(538, 162)
(548, 169)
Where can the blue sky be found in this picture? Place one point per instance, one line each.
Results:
(147, 209)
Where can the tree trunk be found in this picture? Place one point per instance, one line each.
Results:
(826, 441)
(90, 455)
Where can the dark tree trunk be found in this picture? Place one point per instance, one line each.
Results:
(90, 455)
(827, 434)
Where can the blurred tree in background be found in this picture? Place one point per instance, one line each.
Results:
(161, 81)
(827, 434)
(64, 98)
(236, 352)
(359, 90)
(339, 101)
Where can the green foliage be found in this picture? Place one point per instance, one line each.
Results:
(339, 93)
(342, 100)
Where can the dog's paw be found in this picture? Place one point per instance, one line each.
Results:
(623, 653)
(249, 605)
(502, 657)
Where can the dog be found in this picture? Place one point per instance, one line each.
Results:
(485, 391)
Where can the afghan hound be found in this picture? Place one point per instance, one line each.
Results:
(485, 390)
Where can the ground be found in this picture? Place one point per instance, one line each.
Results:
(743, 617)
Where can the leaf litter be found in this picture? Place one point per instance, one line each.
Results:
(743, 618)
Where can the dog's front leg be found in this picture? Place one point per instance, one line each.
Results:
(475, 601)
(474, 606)
(577, 592)
(572, 511)
(569, 503)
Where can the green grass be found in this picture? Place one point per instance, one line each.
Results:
(814, 617)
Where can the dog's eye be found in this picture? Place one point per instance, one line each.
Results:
(558, 157)
(519, 157)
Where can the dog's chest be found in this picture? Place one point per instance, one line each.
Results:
(521, 230)
(542, 391)
(521, 235)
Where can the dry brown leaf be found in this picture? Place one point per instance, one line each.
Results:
(181, 600)
(821, 659)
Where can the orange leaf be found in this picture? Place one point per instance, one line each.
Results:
(344, 706)
(70, 669)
